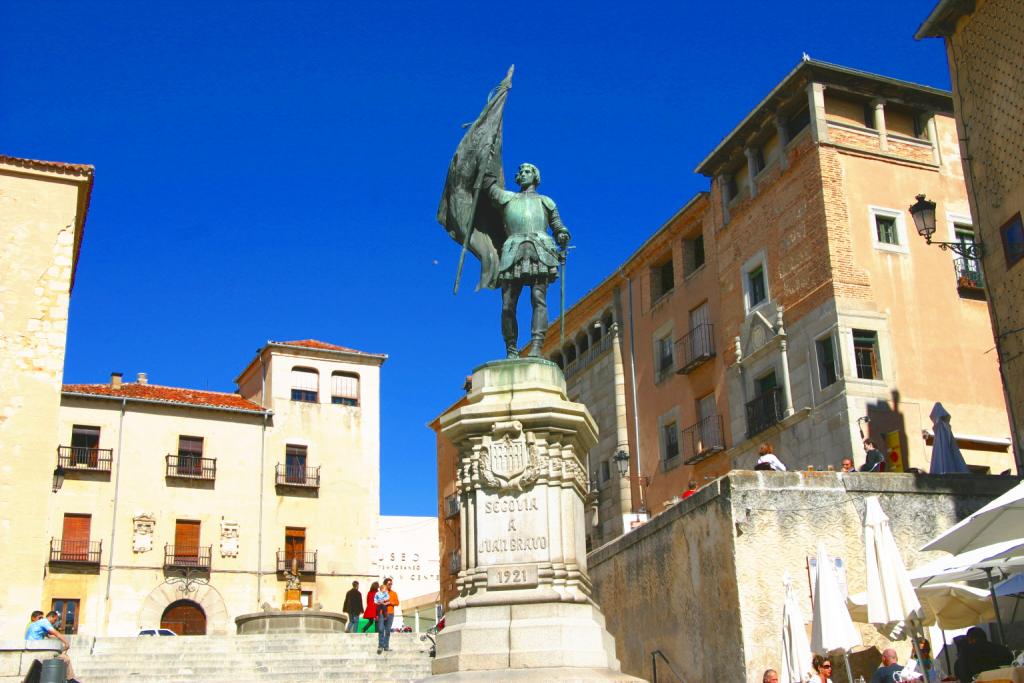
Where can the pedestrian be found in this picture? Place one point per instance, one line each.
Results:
(690, 491)
(874, 461)
(353, 608)
(386, 600)
(41, 629)
(371, 609)
(768, 460)
(890, 665)
(770, 676)
(36, 616)
(847, 465)
(822, 668)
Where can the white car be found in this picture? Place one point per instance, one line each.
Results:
(157, 632)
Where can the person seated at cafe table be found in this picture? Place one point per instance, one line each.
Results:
(976, 653)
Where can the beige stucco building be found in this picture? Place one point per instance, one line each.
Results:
(43, 206)
(183, 508)
(983, 39)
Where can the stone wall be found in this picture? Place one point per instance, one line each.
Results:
(702, 582)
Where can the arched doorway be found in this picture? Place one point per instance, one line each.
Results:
(185, 618)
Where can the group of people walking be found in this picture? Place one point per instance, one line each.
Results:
(381, 601)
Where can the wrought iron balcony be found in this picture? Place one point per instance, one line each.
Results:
(292, 475)
(75, 552)
(305, 561)
(188, 556)
(695, 347)
(191, 467)
(968, 274)
(702, 440)
(764, 411)
(84, 458)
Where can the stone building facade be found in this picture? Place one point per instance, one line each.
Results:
(43, 207)
(983, 39)
(185, 508)
(792, 303)
(721, 591)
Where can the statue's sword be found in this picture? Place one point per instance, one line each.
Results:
(562, 257)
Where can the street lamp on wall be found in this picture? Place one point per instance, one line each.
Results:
(58, 478)
(923, 211)
(621, 459)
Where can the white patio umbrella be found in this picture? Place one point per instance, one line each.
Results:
(891, 596)
(946, 456)
(796, 650)
(1000, 520)
(946, 605)
(832, 628)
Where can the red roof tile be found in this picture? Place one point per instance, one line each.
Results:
(155, 392)
(57, 166)
(315, 344)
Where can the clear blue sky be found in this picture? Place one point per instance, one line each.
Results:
(271, 170)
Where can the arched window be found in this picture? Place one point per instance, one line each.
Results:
(344, 389)
(305, 384)
(556, 358)
(569, 353)
(582, 342)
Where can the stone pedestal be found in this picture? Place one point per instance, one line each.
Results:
(292, 600)
(524, 606)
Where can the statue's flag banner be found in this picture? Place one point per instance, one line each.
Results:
(461, 212)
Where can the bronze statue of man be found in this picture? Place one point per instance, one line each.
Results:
(529, 257)
(506, 231)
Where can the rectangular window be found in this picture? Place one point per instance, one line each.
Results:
(1012, 233)
(662, 279)
(190, 456)
(670, 441)
(85, 442)
(295, 464)
(305, 385)
(664, 361)
(826, 352)
(885, 230)
(186, 542)
(606, 471)
(865, 354)
(731, 186)
(74, 540)
(295, 545)
(797, 122)
(344, 389)
(759, 160)
(869, 115)
(306, 598)
(765, 383)
(67, 610)
(693, 254)
(757, 292)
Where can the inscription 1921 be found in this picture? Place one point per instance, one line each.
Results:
(512, 576)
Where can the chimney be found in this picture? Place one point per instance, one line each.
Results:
(142, 379)
(115, 380)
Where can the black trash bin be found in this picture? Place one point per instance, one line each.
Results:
(53, 671)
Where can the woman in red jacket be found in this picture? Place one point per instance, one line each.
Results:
(371, 609)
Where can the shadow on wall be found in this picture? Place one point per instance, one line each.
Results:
(887, 429)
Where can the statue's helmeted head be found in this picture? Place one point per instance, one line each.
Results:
(528, 174)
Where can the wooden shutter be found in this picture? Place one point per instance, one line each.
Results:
(74, 543)
(295, 544)
(186, 540)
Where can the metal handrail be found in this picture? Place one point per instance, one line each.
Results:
(588, 356)
(704, 437)
(75, 551)
(305, 561)
(85, 458)
(697, 345)
(764, 411)
(194, 556)
(654, 667)
(298, 475)
(187, 466)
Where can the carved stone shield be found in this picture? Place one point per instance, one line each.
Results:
(508, 460)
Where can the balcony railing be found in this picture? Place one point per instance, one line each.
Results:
(968, 274)
(697, 346)
(586, 358)
(764, 411)
(84, 458)
(305, 561)
(703, 439)
(75, 552)
(191, 467)
(188, 556)
(298, 475)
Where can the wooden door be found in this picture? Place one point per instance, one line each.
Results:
(74, 542)
(185, 618)
(186, 542)
(295, 546)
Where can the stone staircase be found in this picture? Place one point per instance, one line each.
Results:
(349, 657)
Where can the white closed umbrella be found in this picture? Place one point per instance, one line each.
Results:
(832, 628)
(1001, 520)
(891, 596)
(946, 456)
(796, 650)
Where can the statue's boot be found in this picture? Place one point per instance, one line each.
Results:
(511, 351)
(535, 347)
